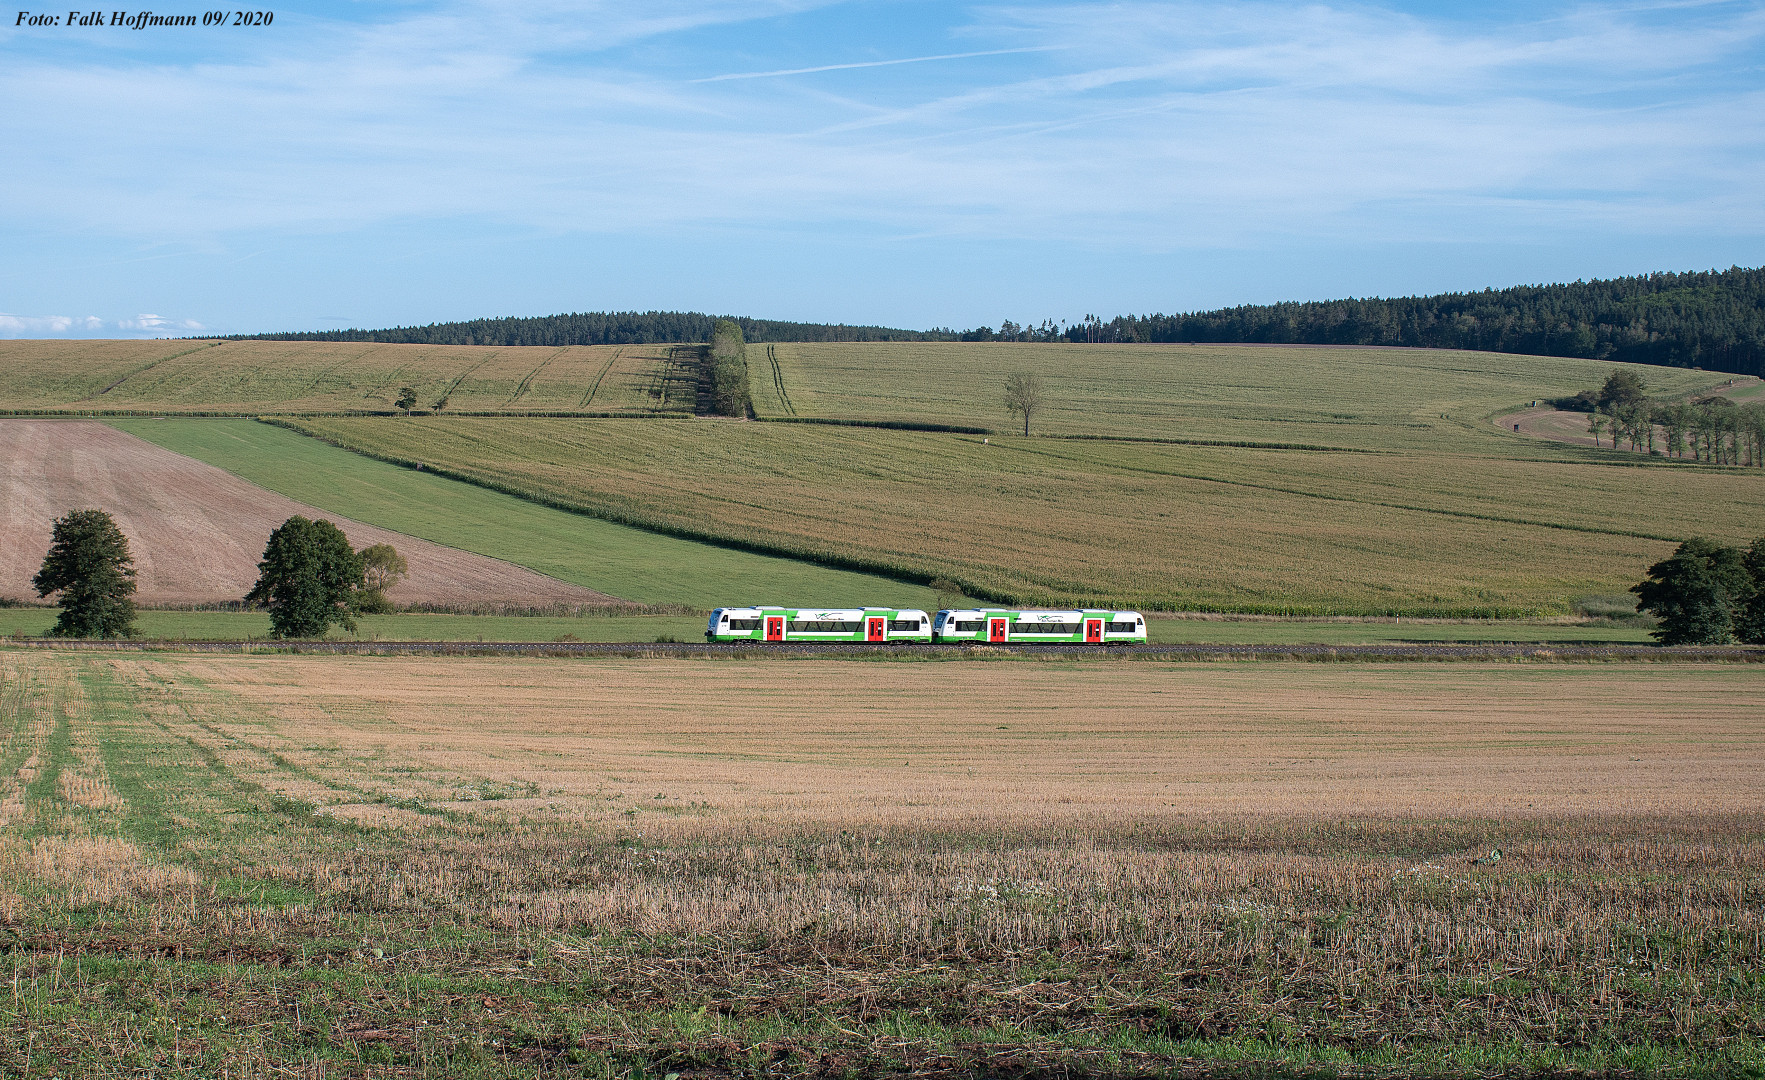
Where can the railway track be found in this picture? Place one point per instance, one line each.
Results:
(1412, 652)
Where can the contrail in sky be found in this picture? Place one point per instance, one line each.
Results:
(874, 63)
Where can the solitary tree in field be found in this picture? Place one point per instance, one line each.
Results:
(382, 568)
(89, 564)
(1023, 396)
(1698, 593)
(309, 579)
(407, 398)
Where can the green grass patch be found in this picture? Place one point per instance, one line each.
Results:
(621, 561)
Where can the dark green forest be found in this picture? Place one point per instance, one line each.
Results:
(1713, 320)
(1709, 319)
(606, 328)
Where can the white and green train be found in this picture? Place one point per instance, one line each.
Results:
(1091, 626)
(819, 624)
(1087, 627)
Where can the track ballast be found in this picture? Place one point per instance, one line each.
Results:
(756, 650)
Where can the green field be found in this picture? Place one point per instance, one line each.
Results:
(1146, 525)
(1423, 507)
(1394, 398)
(252, 625)
(1416, 399)
(628, 563)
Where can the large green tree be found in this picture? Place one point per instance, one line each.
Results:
(1624, 388)
(1750, 626)
(309, 578)
(1698, 593)
(90, 566)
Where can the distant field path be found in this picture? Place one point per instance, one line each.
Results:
(197, 531)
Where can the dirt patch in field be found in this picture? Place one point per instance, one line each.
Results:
(1562, 425)
(1546, 422)
(197, 532)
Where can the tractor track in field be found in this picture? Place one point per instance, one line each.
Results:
(758, 650)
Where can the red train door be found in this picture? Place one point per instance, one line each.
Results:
(874, 630)
(775, 628)
(995, 629)
(1093, 631)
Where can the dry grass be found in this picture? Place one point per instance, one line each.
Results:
(276, 376)
(937, 869)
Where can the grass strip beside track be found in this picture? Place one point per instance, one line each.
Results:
(417, 626)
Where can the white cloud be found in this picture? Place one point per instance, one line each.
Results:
(84, 326)
(1144, 125)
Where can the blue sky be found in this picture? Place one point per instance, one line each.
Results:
(910, 164)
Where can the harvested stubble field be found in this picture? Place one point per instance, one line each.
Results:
(318, 866)
(293, 376)
(197, 532)
(1161, 527)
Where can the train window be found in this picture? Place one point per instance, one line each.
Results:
(905, 624)
(1045, 628)
(1120, 627)
(825, 626)
(970, 626)
(744, 624)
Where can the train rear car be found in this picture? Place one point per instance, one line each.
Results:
(1090, 626)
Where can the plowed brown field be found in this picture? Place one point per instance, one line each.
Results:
(196, 531)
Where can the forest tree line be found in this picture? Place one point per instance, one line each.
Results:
(1711, 319)
(607, 328)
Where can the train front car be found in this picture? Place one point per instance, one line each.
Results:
(1122, 627)
(740, 623)
(964, 624)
